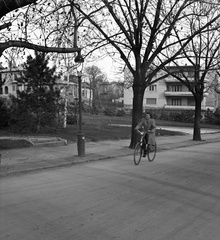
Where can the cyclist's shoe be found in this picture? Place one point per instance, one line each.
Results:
(145, 153)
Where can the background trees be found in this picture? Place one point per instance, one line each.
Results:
(94, 76)
(140, 33)
(4, 114)
(201, 52)
(38, 106)
(37, 25)
(7, 6)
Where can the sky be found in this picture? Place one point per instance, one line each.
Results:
(110, 68)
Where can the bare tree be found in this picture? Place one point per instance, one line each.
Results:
(139, 33)
(27, 24)
(201, 52)
(94, 76)
(8, 6)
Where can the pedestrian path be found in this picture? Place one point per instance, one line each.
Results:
(188, 130)
(31, 159)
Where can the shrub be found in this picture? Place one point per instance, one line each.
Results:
(217, 116)
(4, 114)
(187, 116)
(176, 116)
(110, 111)
(72, 119)
(209, 117)
(40, 104)
(162, 115)
(24, 119)
(212, 117)
(120, 112)
(86, 108)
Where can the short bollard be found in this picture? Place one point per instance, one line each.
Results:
(81, 144)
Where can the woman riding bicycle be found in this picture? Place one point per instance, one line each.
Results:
(148, 125)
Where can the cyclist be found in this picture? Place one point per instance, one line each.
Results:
(147, 124)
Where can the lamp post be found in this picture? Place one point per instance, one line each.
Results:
(80, 136)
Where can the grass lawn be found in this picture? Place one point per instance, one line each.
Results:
(96, 128)
(10, 143)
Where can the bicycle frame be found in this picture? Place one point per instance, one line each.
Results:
(142, 137)
(150, 154)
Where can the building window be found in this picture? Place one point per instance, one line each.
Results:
(176, 88)
(6, 90)
(153, 88)
(1, 91)
(14, 88)
(176, 102)
(190, 102)
(151, 101)
(84, 92)
(75, 90)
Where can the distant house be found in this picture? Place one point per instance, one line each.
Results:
(71, 85)
(9, 84)
(9, 77)
(110, 94)
(169, 93)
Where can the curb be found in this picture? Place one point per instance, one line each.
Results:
(69, 161)
(186, 144)
(47, 142)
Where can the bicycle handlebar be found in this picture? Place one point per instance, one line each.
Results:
(141, 133)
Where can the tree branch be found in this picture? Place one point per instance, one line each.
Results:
(35, 47)
(5, 25)
(10, 5)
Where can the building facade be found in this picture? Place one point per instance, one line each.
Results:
(169, 93)
(110, 94)
(68, 86)
(8, 78)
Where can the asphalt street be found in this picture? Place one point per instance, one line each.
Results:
(176, 197)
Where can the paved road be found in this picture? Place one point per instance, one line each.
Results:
(175, 197)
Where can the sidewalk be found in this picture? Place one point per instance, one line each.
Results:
(31, 159)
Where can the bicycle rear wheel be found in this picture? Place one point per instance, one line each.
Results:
(137, 153)
(152, 153)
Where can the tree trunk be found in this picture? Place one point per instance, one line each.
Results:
(90, 95)
(197, 119)
(138, 95)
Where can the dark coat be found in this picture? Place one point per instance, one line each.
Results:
(149, 127)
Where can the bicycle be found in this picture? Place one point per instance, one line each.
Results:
(139, 150)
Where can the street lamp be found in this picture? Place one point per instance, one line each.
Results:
(80, 136)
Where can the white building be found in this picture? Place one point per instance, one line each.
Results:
(10, 85)
(71, 86)
(9, 79)
(168, 93)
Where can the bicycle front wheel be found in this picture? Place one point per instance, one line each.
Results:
(152, 153)
(137, 153)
